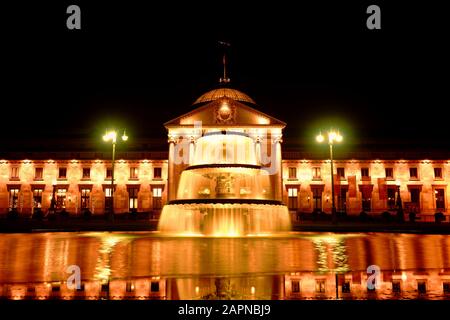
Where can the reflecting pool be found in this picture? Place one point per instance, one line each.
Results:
(293, 266)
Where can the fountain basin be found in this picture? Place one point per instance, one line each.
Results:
(224, 219)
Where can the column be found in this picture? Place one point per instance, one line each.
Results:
(191, 150)
(258, 150)
(170, 176)
(278, 168)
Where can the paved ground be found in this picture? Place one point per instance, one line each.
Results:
(28, 225)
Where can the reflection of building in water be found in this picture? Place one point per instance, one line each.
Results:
(137, 266)
(432, 284)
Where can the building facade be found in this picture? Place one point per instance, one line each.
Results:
(145, 184)
(367, 185)
(79, 185)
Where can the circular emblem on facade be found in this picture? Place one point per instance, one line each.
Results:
(225, 113)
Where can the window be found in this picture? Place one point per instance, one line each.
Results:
(62, 173)
(366, 192)
(389, 173)
(317, 198)
(31, 291)
(15, 173)
(154, 286)
(86, 173)
(130, 286)
(320, 286)
(108, 203)
(415, 196)
(413, 173)
(422, 287)
(108, 192)
(366, 204)
(292, 173)
(438, 173)
(37, 198)
(85, 198)
(157, 173)
(61, 198)
(13, 198)
(364, 172)
(342, 200)
(108, 173)
(157, 198)
(440, 199)
(39, 174)
(346, 287)
(341, 173)
(293, 199)
(446, 287)
(295, 284)
(396, 286)
(316, 173)
(133, 198)
(134, 172)
(391, 191)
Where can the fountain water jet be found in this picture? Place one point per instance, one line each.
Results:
(224, 192)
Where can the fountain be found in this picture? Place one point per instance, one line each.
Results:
(224, 192)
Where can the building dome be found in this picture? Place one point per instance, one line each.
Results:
(219, 93)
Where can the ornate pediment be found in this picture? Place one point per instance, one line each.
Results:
(225, 112)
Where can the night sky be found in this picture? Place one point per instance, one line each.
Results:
(312, 66)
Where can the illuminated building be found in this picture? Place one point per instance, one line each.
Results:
(146, 184)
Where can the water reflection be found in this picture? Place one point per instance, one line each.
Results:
(297, 266)
(331, 254)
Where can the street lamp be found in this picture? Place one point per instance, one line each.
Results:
(53, 200)
(112, 136)
(332, 137)
(399, 205)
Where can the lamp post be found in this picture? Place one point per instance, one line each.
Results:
(333, 137)
(399, 204)
(53, 201)
(112, 136)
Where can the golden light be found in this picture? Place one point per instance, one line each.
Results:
(253, 290)
(404, 276)
(225, 107)
(111, 135)
(320, 138)
(197, 290)
(332, 135)
(124, 136)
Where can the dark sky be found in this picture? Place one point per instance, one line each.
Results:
(139, 66)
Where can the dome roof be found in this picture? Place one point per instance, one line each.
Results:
(216, 94)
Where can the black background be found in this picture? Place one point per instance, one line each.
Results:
(139, 64)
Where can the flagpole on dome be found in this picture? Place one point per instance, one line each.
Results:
(224, 45)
